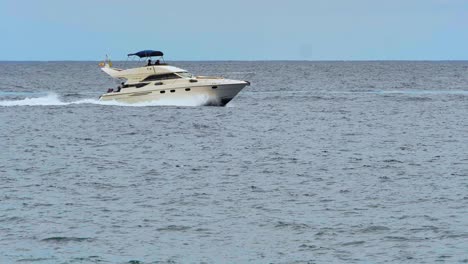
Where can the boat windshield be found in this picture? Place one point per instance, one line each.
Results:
(185, 75)
(158, 77)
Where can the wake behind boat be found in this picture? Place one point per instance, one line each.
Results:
(160, 81)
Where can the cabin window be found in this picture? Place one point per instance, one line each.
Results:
(158, 77)
(185, 75)
(140, 85)
(214, 87)
(136, 85)
(162, 91)
(187, 89)
(158, 83)
(172, 91)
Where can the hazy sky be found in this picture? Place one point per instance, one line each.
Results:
(235, 29)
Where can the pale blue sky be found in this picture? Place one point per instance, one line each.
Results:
(235, 29)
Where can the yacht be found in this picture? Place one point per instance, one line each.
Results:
(158, 81)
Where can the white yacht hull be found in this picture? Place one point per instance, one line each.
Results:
(205, 94)
(168, 85)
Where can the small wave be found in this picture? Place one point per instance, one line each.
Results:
(66, 239)
(34, 260)
(392, 161)
(54, 100)
(133, 261)
(240, 72)
(425, 92)
(372, 229)
(295, 226)
(353, 243)
(407, 92)
(396, 238)
(20, 94)
(174, 228)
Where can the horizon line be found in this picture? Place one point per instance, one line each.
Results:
(285, 60)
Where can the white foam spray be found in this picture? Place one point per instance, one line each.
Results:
(50, 99)
(53, 99)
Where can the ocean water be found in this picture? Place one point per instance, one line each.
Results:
(315, 162)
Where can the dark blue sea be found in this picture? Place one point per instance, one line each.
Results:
(315, 162)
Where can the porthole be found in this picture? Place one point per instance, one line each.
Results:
(187, 89)
(172, 91)
(162, 91)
